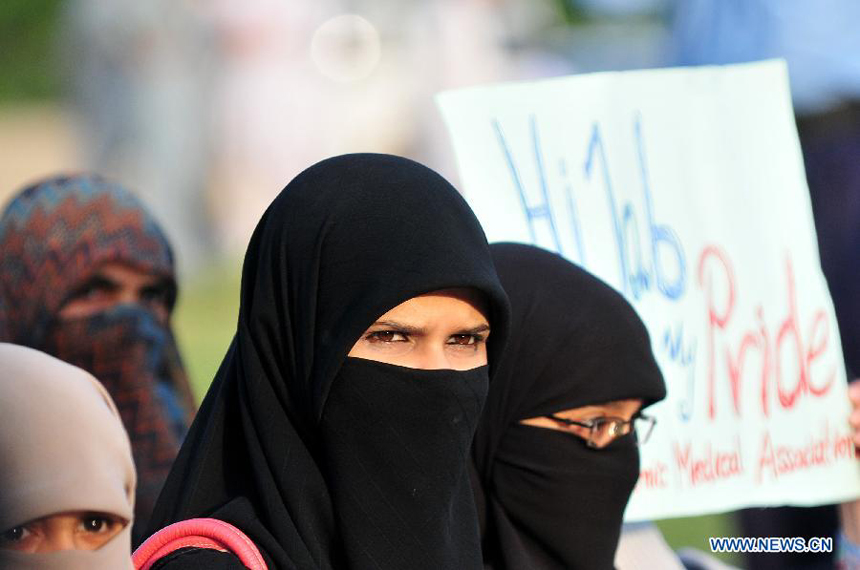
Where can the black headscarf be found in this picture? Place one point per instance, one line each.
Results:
(545, 499)
(329, 462)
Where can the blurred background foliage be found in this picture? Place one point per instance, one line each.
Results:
(28, 29)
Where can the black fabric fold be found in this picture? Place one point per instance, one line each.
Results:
(545, 499)
(347, 240)
(416, 487)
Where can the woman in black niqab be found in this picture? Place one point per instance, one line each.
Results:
(329, 462)
(545, 498)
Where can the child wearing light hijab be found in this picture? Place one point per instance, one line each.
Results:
(67, 478)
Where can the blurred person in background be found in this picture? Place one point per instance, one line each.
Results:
(87, 275)
(67, 478)
(140, 76)
(298, 82)
(451, 44)
(819, 40)
(265, 106)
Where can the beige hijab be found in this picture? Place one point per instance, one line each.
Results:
(63, 448)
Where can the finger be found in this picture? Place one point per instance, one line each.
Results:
(854, 391)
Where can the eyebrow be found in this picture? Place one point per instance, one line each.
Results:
(475, 330)
(400, 327)
(411, 329)
(164, 283)
(97, 280)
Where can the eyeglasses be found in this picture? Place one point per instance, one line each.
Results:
(604, 430)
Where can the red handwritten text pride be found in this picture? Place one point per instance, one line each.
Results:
(714, 269)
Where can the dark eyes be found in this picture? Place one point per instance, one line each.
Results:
(15, 534)
(468, 339)
(387, 336)
(93, 288)
(101, 289)
(95, 523)
(156, 294)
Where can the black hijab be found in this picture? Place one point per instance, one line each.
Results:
(329, 462)
(545, 499)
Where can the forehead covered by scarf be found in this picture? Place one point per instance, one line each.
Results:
(347, 240)
(350, 238)
(574, 342)
(64, 448)
(55, 234)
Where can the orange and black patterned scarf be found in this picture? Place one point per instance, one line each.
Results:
(54, 235)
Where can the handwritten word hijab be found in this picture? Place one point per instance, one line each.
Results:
(63, 449)
(334, 462)
(547, 500)
(54, 236)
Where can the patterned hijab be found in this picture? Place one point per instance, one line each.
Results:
(64, 449)
(54, 236)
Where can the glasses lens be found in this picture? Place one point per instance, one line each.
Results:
(644, 426)
(605, 431)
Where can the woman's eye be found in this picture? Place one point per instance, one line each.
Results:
(155, 295)
(16, 534)
(95, 289)
(386, 336)
(465, 339)
(91, 293)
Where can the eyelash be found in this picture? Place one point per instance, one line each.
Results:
(475, 339)
(376, 336)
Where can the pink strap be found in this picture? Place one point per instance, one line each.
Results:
(198, 533)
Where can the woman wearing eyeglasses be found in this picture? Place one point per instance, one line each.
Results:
(556, 453)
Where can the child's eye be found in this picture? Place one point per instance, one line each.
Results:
(386, 336)
(96, 523)
(15, 534)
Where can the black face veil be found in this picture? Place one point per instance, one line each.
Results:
(545, 499)
(278, 447)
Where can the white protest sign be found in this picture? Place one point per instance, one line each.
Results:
(685, 190)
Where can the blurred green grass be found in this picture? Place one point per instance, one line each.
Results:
(28, 36)
(205, 321)
(693, 532)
